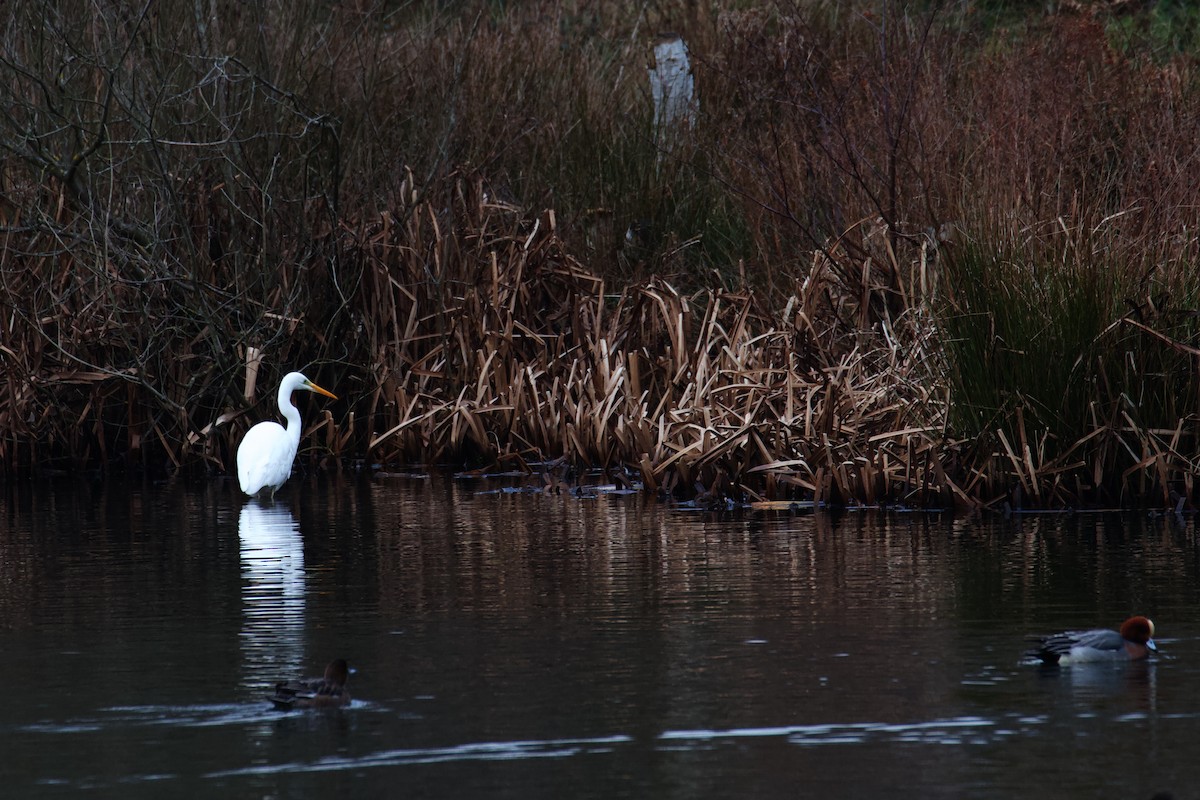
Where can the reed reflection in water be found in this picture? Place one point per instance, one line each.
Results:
(519, 644)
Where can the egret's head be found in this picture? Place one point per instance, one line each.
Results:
(294, 381)
(312, 387)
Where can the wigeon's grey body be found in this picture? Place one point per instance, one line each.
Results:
(1133, 642)
(327, 692)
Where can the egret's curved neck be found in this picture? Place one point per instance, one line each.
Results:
(289, 413)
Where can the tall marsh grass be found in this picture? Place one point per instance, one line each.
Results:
(1054, 371)
(903, 254)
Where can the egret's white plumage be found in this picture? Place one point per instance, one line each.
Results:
(264, 458)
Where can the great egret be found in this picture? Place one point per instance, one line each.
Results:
(264, 458)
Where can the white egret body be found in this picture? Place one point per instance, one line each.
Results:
(264, 458)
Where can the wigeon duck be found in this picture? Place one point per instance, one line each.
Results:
(1132, 643)
(326, 692)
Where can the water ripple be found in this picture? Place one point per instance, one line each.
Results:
(481, 751)
(956, 730)
(183, 716)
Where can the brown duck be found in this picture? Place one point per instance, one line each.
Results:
(327, 692)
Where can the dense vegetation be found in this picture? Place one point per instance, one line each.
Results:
(894, 254)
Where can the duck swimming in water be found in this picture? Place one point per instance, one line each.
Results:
(327, 692)
(1133, 642)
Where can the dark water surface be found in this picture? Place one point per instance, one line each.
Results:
(544, 646)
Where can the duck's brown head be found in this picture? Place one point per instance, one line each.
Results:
(1137, 629)
(338, 672)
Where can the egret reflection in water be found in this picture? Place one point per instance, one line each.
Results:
(273, 588)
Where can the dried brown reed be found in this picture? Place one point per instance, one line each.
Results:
(849, 281)
(532, 359)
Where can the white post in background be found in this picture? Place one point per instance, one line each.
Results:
(673, 89)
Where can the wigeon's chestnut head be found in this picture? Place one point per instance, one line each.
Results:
(1139, 631)
(1133, 642)
(327, 692)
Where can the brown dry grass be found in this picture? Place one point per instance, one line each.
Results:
(532, 359)
(429, 212)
